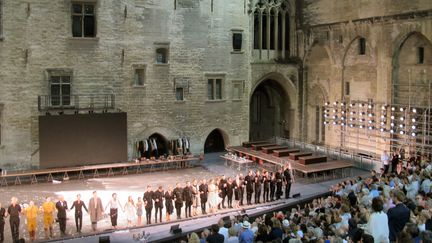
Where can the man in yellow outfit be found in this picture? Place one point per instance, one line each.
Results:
(31, 213)
(48, 208)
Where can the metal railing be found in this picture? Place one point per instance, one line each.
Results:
(76, 102)
(361, 161)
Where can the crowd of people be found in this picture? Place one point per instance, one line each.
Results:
(196, 197)
(392, 205)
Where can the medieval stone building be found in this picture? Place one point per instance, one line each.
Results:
(218, 72)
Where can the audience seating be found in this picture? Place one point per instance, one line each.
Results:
(284, 152)
(308, 160)
(297, 155)
(259, 146)
(269, 150)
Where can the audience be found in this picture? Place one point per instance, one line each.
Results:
(214, 236)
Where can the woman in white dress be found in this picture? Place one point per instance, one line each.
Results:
(130, 211)
(213, 198)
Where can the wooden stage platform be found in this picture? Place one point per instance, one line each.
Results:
(271, 162)
(96, 171)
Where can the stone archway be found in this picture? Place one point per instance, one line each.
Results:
(162, 145)
(215, 142)
(270, 113)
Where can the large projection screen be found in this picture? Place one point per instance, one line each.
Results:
(82, 139)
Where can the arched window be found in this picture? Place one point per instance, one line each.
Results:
(256, 29)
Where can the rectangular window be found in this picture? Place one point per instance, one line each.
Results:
(237, 92)
(60, 90)
(347, 88)
(420, 54)
(362, 46)
(179, 93)
(237, 40)
(139, 76)
(83, 20)
(214, 89)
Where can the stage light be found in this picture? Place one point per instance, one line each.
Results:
(325, 123)
(370, 121)
(414, 110)
(382, 123)
(351, 125)
(383, 107)
(413, 120)
(402, 118)
(343, 112)
(334, 123)
(326, 115)
(392, 117)
(352, 112)
(370, 106)
(401, 109)
(361, 113)
(362, 120)
(343, 104)
(343, 118)
(393, 109)
(391, 131)
(401, 125)
(361, 105)
(335, 103)
(334, 110)
(413, 127)
(352, 119)
(370, 114)
(413, 134)
(382, 129)
(401, 132)
(352, 104)
(343, 124)
(327, 103)
(382, 116)
(370, 128)
(392, 124)
(361, 126)
(334, 117)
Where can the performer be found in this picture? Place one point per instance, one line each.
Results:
(78, 205)
(257, 184)
(2, 222)
(195, 198)
(203, 190)
(113, 205)
(242, 188)
(95, 210)
(213, 198)
(31, 213)
(169, 197)
(230, 192)
(249, 187)
(266, 182)
(188, 198)
(279, 181)
(61, 207)
(178, 197)
(139, 210)
(272, 186)
(223, 189)
(288, 181)
(130, 211)
(237, 188)
(148, 203)
(158, 199)
(48, 208)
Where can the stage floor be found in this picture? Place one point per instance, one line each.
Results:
(135, 186)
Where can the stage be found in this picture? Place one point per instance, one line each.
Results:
(135, 185)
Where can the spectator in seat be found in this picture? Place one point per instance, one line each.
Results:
(215, 237)
(397, 216)
(246, 235)
(378, 222)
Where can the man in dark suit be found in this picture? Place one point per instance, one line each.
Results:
(203, 191)
(61, 207)
(397, 216)
(288, 181)
(257, 184)
(230, 192)
(14, 211)
(187, 198)
(148, 203)
(178, 199)
(249, 179)
(279, 182)
(78, 205)
(223, 190)
(158, 203)
(214, 236)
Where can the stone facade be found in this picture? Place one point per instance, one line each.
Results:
(197, 36)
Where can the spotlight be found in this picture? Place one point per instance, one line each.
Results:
(335, 103)
(343, 118)
(326, 115)
(413, 134)
(343, 124)
(413, 120)
(382, 116)
(362, 120)
(391, 131)
(402, 118)
(383, 107)
(413, 127)
(401, 125)
(382, 123)
(392, 117)
(327, 103)
(334, 110)
(361, 126)
(393, 109)
(392, 124)
(370, 114)
(352, 119)
(325, 123)
(362, 113)
(351, 125)
(343, 104)
(370, 121)
(361, 105)
(414, 110)
(352, 113)
(334, 123)
(334, 117)
(370, 128)
(352, 104)
(382, 129)
(343, 112)
(401, 109)
(401, 132)
(370, 106)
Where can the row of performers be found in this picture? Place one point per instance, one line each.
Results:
(147, 148)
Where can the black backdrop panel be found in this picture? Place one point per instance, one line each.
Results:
(82, 139)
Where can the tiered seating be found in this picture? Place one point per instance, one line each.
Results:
(269, 150)
(284, 152)
(297, 155)
(249, 144)
(308, 160)
(258, 147)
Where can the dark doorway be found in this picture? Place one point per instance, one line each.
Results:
(214, 142)
(162, 145)
(268, 111)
